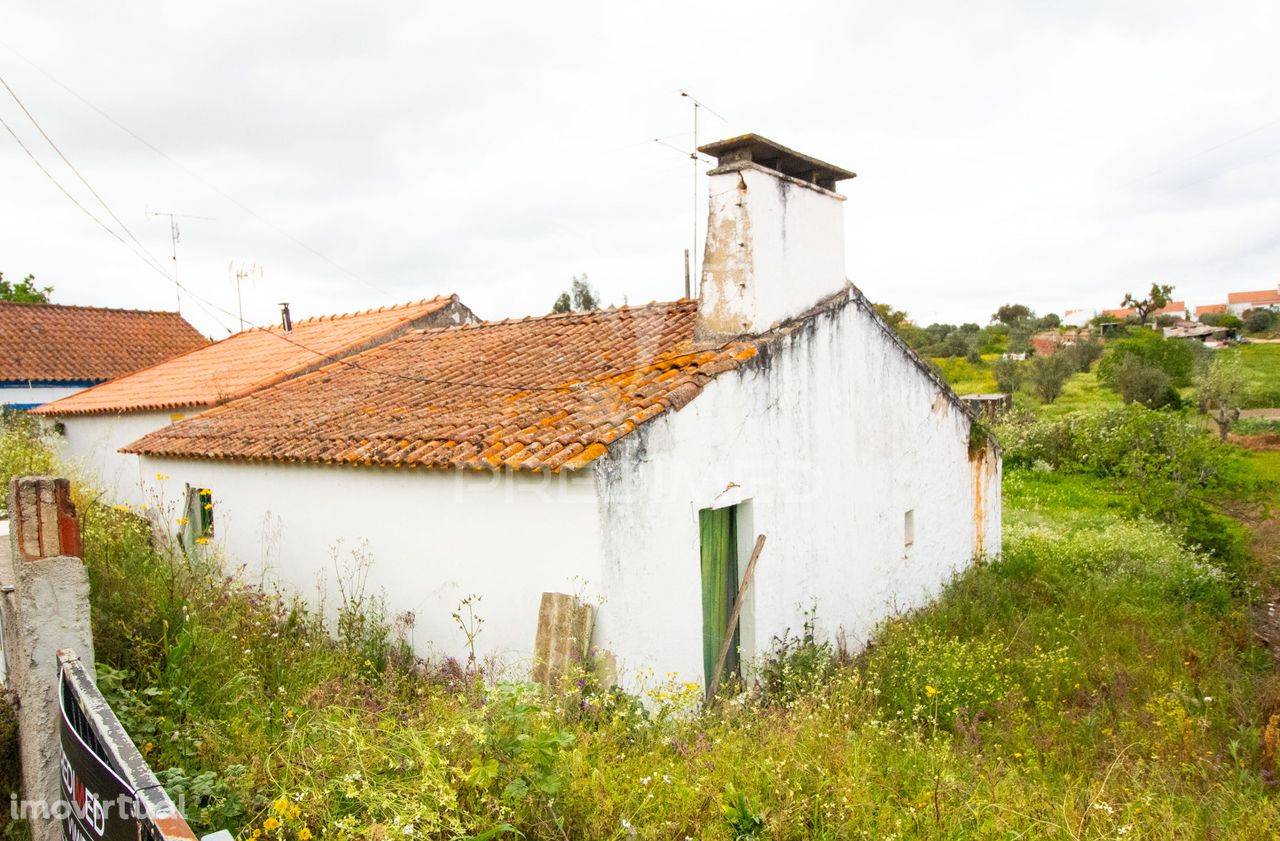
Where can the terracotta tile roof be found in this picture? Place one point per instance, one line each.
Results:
(59, 343)
(246, 361)
(541, 393)
(1211, 309)
(1171, 308)
(1260, 296)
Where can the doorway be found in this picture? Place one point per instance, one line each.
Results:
(718, 533)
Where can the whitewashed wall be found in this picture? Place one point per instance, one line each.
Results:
(91, 443)
(775, 247)
(828, 442)
(35, 395)
(433, 537)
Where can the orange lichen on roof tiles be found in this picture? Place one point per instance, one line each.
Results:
(245, 362)
(547, 393)
(57, 343)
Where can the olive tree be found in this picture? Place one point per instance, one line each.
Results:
(1221, 389)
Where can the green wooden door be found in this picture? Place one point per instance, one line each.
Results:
(719, 534)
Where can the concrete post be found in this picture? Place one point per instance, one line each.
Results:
(47, 610)
(564, 634)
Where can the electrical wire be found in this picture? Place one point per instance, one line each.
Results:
(71, 166)
(204, 303)
(77, 203)
(200, 179)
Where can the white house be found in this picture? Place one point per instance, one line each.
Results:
(49, 351)
(631, 455)
(1238, 303)
(1079, 317)
(97, 422)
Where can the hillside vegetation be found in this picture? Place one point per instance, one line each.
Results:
(1101, 679)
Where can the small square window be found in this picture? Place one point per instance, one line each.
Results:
(909, 528)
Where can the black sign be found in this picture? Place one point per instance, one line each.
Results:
(97, 804)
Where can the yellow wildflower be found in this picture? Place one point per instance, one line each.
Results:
(930, 691)
(202, 540)
(281, 805)
(304, 834)
(270, 824)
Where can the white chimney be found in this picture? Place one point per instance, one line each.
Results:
(775, 237)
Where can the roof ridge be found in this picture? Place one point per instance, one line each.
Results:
(334, 316)
(608, 312)
(50, 305)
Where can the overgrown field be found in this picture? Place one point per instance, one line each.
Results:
(1100, 680)
(1260, 363)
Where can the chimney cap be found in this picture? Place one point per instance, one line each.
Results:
(775, 156)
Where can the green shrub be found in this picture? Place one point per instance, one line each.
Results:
(1138, 381)
(1009, 374)
(1176, 358)
(796, 666)
(1048, 374)
(25, 449)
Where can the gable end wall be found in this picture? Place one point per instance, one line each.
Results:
(827, 439)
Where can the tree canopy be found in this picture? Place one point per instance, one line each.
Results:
(24, 291)
(579, 298)
(1157, 298)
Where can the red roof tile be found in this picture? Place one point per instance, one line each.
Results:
(1171, 308)
(1211, 309)
(540, 393)
(1260, 296)
(60, 343)
(251, 360)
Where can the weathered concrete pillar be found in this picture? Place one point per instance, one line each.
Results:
(46, 610)
(564, 636)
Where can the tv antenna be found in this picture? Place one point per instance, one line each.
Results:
(175, 235)
(239, 276)
(695, 158)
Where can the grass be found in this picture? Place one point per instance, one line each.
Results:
(967, 377)
(1261, 363)
(1099, 680)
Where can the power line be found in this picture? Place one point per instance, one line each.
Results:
(72, 167)
(145, 256)
(197, 177)
(77, 203)
(202, 302)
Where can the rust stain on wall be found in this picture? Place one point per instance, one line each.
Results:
(981, 462)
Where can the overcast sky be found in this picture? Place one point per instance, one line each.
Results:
(1056, 154)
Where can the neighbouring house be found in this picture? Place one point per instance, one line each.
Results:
(1178, 309)
(631, 456)
(49, 351)
(1238, 303)
(97, 422)
(1079, 317)
(1210, 309)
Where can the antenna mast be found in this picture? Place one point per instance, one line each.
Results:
(174, 236)
(239, 276)
(693, 157)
